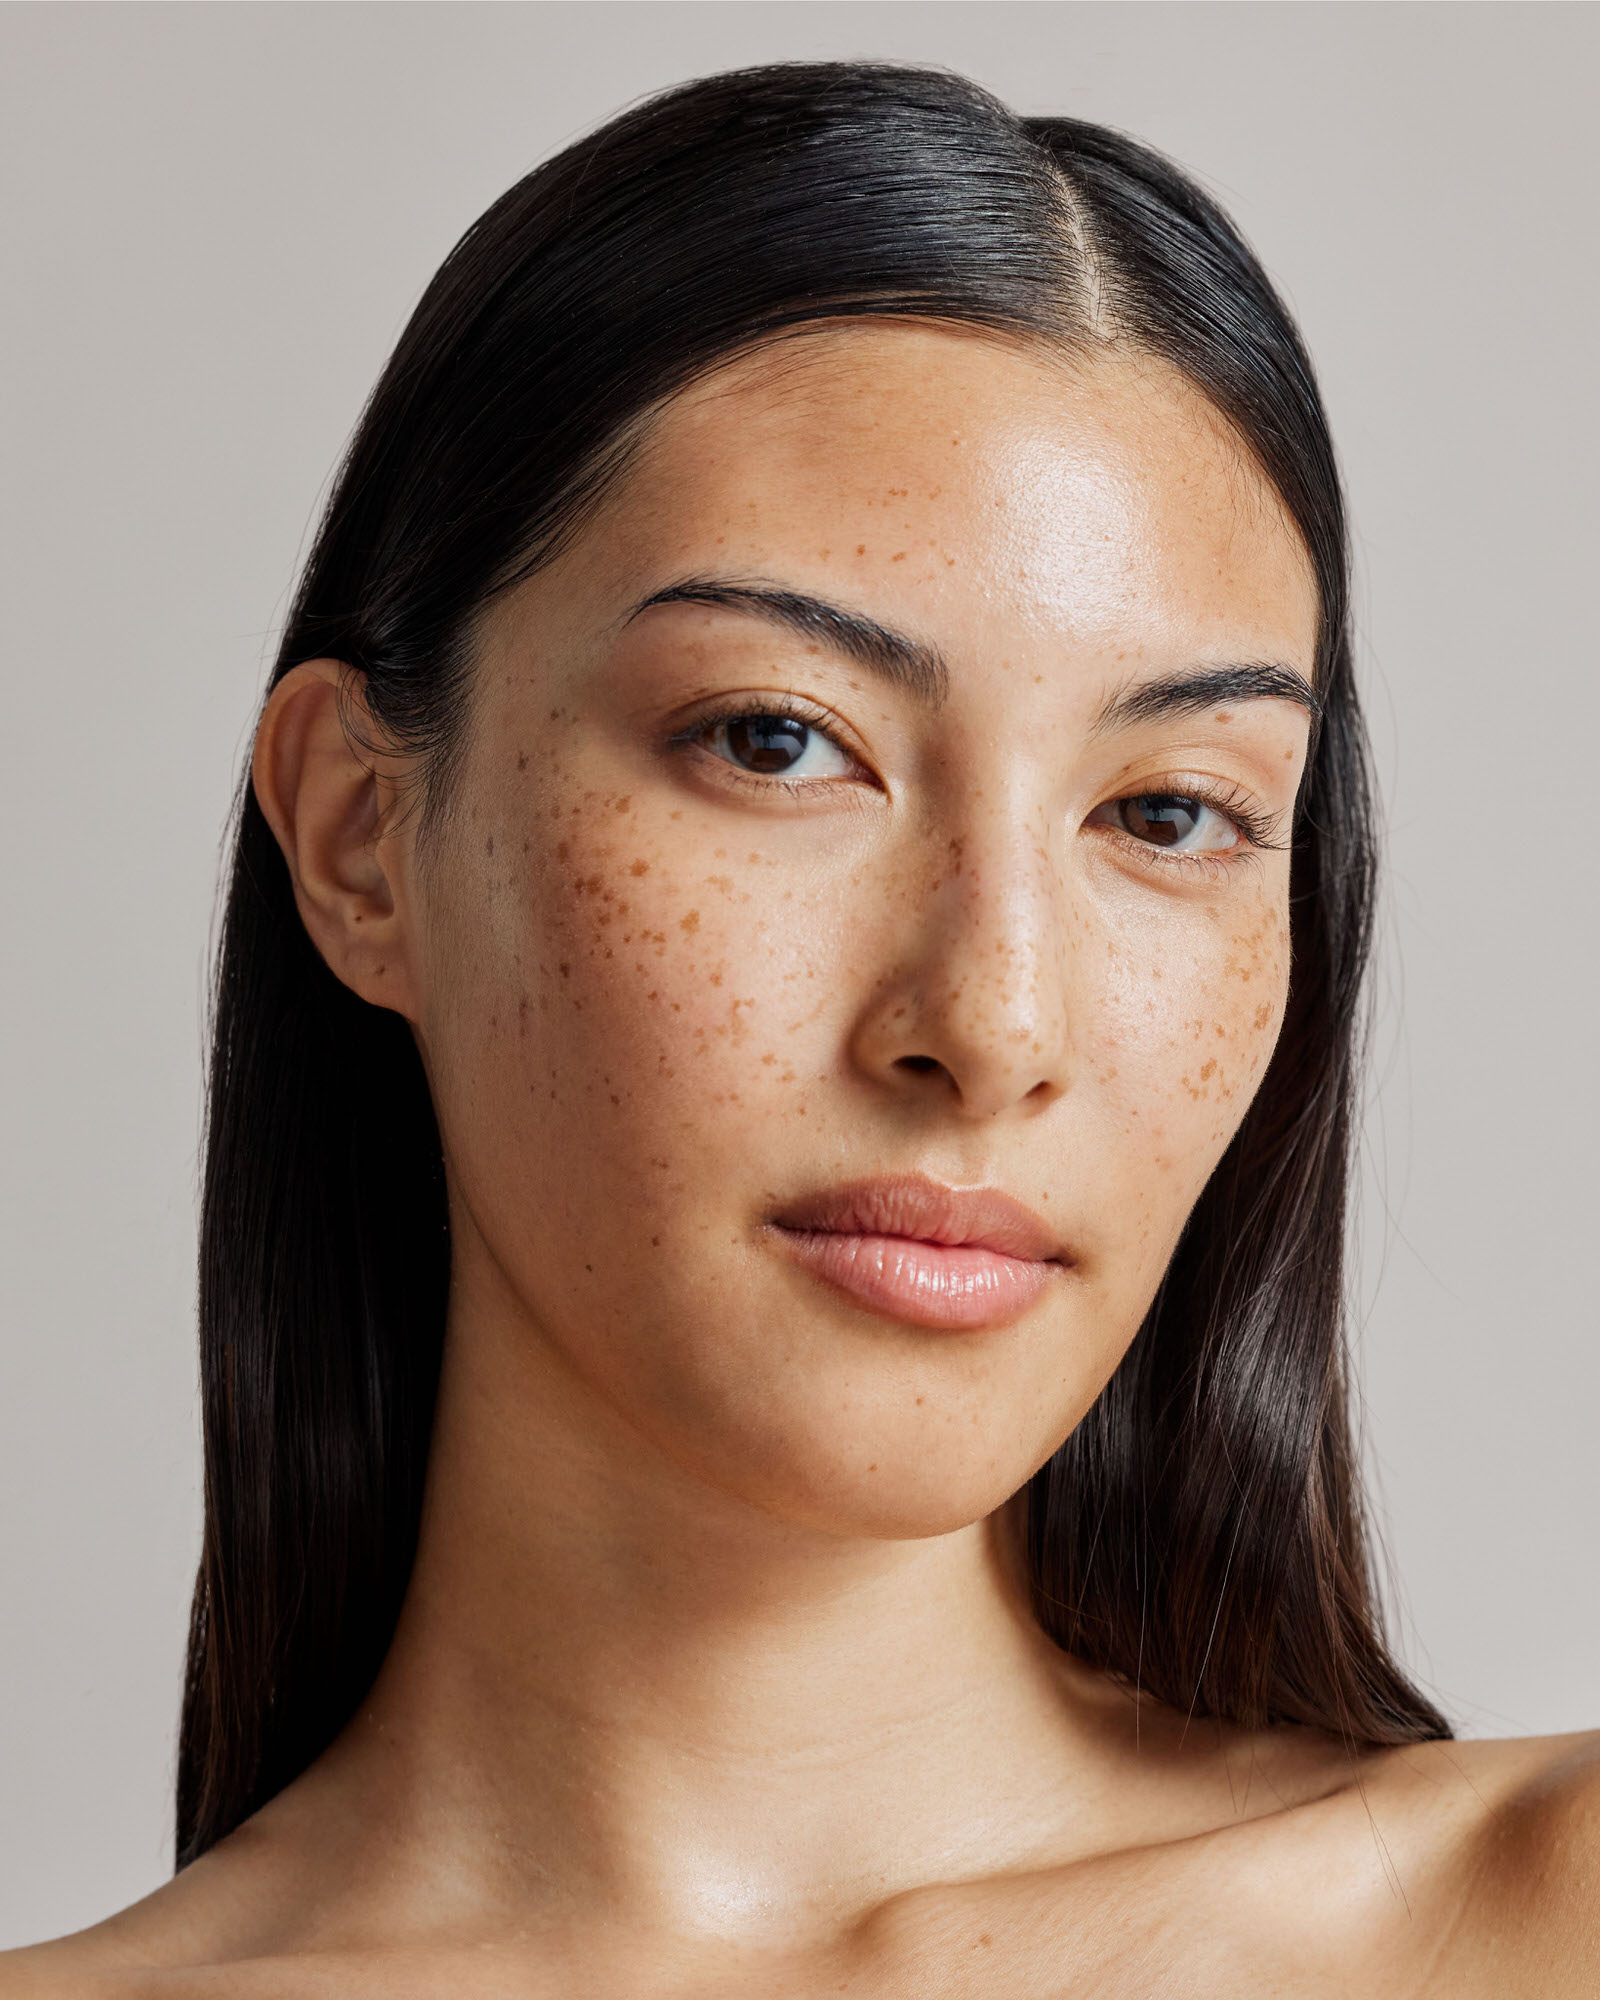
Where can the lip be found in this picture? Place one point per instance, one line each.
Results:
(925, 1254)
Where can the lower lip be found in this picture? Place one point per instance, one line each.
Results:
(953, 1286)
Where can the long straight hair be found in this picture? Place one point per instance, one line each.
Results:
(1200, 1533)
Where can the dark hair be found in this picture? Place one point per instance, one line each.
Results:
(1199, 1533)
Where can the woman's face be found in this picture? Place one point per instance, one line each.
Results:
(910, 848)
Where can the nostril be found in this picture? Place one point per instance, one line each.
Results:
(919, 1065)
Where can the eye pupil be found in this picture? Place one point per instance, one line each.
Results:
(767, 743)
(1160, 818)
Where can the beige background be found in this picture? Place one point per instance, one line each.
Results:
(216, 219)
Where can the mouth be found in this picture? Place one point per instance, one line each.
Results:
(914, 1250)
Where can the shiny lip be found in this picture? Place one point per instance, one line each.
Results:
(926, 1211)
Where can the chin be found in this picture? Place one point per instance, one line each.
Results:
(907, 1489)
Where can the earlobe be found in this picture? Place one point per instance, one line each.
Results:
(325, 798)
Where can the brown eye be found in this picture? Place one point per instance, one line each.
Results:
(1171, 820)
(1156, 817)
(777, 746)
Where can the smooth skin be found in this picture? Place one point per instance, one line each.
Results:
(716, 1676)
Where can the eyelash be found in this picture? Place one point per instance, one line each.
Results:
(787, 705)
(1259, 829)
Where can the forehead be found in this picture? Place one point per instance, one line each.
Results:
(945, 478)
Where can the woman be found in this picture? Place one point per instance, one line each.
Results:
(781, 1096)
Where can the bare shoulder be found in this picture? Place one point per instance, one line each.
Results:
(135, 1954)
(177, 1942)
(1508, 1836)
(1540, 1858)
(1512, 1796)
(82, 1966)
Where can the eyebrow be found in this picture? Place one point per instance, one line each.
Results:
(1206, 687)
(905, 663)
(921, 670)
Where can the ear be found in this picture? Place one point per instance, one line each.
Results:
(329, 802)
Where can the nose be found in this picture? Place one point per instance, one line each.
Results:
(973, 1006)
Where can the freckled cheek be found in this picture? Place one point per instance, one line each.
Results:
(658, 986)
(1189, 1017)
(1224, 1040)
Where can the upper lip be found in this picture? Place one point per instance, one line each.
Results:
(926, 1210)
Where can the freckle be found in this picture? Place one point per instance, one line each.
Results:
(861, 548)
(564, 969)
(555, 715)
(562, 850)
(382, 969)
(488, 845)
(624, 804)
(522, 760)
(691, 922)
(899, 558)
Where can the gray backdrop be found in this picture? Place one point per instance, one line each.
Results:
(216, 220)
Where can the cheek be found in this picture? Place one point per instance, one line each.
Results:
(1187, 1020)
(1224, 1029)
(643, 998)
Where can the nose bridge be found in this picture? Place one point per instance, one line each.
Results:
(994, 958)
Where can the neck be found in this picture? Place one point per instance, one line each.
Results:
(676, 1709)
